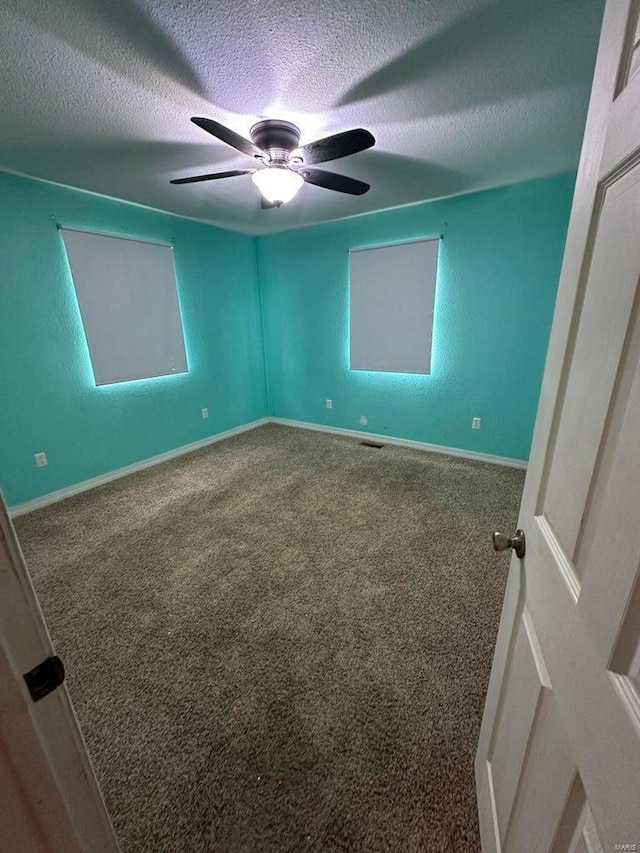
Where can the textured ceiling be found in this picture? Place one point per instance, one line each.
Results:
(460, 95)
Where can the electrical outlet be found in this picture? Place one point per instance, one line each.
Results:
(475, 423)
(329, 404)
(364, 420)
(205, 413)
(41, 460)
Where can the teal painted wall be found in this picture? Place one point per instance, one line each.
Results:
(498, 272)
(48, 400)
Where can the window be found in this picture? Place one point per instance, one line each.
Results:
(128, 301)
(392, 296)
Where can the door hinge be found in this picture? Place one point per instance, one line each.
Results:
(45, 677)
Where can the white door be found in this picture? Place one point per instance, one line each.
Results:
(50, 800)
(558, 762)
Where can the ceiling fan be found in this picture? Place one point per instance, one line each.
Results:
(276, 144)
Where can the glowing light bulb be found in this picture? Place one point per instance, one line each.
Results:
(278, 184)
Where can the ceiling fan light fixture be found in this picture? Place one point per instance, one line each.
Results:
(278, 184)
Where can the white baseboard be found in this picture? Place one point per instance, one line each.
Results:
(85, 485)
(406, 442)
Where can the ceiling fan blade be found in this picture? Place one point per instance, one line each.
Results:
(267, 205)
(334, 147)
(229, 136)
(331, 181)
(213, 176)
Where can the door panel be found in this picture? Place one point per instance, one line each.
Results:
(623, 129)
(595, 716)
(607, 594)
(604, 319)
(526, 682)
(539, 807)
(626, 658)
(585, 837)
(634, 53)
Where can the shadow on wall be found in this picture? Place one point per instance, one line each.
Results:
(91, 29)
(387, 172)
(204, 48)
(135, 160)
(484, 51)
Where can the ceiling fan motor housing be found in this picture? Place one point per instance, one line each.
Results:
(277, 138)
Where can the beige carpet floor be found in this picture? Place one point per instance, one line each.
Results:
(281, 643)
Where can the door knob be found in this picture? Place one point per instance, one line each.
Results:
(501, 542)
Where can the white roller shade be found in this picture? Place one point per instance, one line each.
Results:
(392, 297)
(128, 300)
